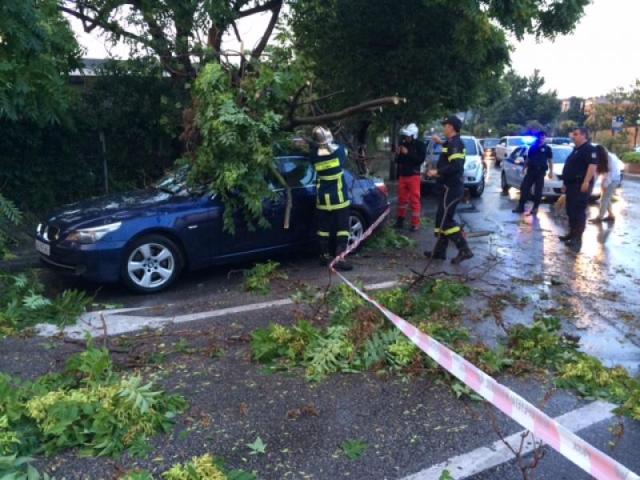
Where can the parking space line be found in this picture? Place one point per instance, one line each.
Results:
(115, 323)
(485, 458)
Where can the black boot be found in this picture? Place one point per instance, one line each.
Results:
(567, 237)
(519, 209)
(399, 223)
(325, 259)
(575, 242)
(343, 266)
(439, 251)
(464, 252)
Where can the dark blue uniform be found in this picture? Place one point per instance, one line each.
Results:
(332, 201)
(573, 175)
(537, 165)
(451, 185)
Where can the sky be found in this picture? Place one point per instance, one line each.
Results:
(601, 54)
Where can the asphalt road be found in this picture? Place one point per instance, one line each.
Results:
(596, 292)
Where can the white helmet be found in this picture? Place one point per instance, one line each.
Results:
(410, 130)
(324, 139)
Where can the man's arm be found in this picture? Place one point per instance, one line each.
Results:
(550, 162)
(591, 172)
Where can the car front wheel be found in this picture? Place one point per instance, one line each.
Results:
(478, 190)
(151, 264)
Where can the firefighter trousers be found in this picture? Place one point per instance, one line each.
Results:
(409, 195)
(333, 231)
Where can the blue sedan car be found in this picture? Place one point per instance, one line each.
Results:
(147, 238)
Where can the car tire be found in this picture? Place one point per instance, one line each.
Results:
(503, 184)
(357, 226)
(151, 264)
(477, 191)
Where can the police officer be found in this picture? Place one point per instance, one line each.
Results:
(578, 178)
(332, 199)
(411, 153)
(539, 160)
(449, 174)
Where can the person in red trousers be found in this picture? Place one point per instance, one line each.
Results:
(410, 155)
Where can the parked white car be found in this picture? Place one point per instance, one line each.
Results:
(507, 145)
(474, 167)
(513, 171)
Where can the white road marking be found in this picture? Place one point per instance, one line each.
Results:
(94, 323)
(484, 458)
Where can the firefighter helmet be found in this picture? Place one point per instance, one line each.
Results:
(410, 130)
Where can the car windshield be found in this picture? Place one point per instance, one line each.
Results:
(470, 146)
(560, 155)
(516, 142)
(175, 182)
(490, 142)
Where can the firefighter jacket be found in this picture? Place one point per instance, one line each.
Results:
(409, 163)
(451, 164)
(332, 192)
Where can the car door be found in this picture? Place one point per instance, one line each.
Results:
(300, 176)
(501, 149)
(513, 167)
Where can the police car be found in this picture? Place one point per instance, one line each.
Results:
(513, 171)
(474, 167)
(507, 145)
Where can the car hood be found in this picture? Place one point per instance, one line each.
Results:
(114, 208)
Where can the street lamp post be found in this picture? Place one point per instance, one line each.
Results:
(635, 137)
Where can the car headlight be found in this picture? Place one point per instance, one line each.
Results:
(92, 235)
(471, 165)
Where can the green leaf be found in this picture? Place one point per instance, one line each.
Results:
(257, 447)
(354, 449)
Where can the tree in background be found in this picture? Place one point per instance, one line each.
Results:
(575, 112)
(620, 102)
(522, 102)
(37, 50)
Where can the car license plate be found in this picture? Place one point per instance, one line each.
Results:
(43, 248)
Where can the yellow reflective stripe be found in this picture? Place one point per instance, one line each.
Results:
(456, 156)
(327, 199)
(323, 234)
(343, 233)
(452, 230)
(337, 176)
(327, 164)
(340, 194)
(445, 149)
(436, 230)
(330, 208)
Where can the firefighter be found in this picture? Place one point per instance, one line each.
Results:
(449, 175)
(539, 161)
(332, 199)
(578, 177)
(410, 155)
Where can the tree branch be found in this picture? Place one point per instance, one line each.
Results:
(347, 112)
(275, 13)
(270, 5)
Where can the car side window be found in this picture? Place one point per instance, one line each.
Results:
(297, 171)
(503, 142)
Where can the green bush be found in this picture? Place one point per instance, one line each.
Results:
(631, 157)
(23, 304)
(137, 110)
(88, 407)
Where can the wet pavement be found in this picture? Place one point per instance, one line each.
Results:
(519, 263)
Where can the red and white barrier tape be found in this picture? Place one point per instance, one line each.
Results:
(572, 447)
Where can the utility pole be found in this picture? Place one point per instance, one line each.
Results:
(105, 167)
(635, 137)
